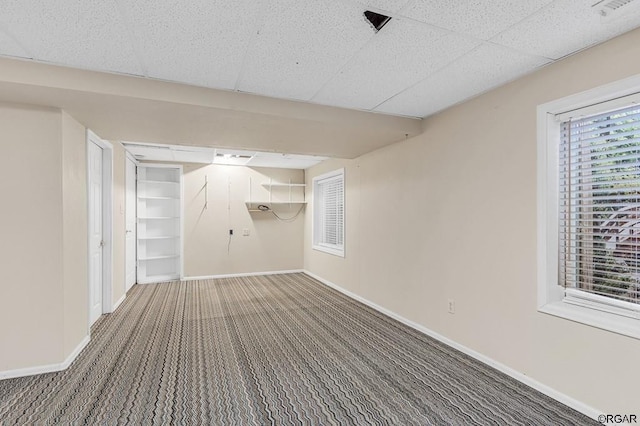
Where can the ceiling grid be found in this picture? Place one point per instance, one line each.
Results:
(319, 51)
(295, 55)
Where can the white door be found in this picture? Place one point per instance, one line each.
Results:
(96, 241)
(130, 219)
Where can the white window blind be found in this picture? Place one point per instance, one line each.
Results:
(599, 206)
(329, 212)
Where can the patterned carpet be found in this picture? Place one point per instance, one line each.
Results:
(280, 349)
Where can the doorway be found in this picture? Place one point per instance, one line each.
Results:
(130, 209)
(100, 248)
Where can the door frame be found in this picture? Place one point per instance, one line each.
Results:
(135, 162)
(107, 223)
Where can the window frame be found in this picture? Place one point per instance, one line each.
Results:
(334, 249)
(551, 296)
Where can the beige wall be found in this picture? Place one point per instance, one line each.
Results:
(451, 214)
(43, 299)
(31, 248)
(74, 234)
(271, 246)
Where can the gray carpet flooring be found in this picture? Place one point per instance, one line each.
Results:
(281, 349)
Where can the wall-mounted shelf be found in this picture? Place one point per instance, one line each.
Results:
(254, 206)
(294, 198)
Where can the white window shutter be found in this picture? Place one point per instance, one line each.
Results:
(599, 223)
(329, 213)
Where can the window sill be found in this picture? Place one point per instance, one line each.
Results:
(329, 250)
(625, 326)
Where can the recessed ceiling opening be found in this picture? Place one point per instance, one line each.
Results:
(209, 155)
(233, 155)
(376, 20)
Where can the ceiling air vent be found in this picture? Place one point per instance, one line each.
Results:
(233, 156)
(376, 20)
(614, 9)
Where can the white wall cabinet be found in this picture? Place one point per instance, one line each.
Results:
(159, 194)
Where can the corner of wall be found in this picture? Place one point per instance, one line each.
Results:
(74, 235)
(31, 313)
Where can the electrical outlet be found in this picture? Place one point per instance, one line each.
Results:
(230, 231)
(245, 232)
(452, 306)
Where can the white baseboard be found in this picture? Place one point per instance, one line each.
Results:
(51, 368)
(550, 392)
(247, 274)
(119, 302)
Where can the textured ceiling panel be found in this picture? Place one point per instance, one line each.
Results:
(201, 42)
(323, 51)
(299, 49)
(402, 53)
(563, 28)
(77, 33)
(284, 161)
(481, 19)
(489, 65)
(383, 5)
(179, 153)
(9, 47)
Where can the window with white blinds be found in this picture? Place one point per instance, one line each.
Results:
(599, 210)
(328, 211)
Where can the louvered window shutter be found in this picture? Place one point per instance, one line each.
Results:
(332, 211)
(599, 206)
(328, 232)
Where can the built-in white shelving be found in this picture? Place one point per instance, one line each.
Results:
(160, 238)
(158, 217)
(160, 182)
(159, 222)
(159, 198)
(295, 197)
(167, 256)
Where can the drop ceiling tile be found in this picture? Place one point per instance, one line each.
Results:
(150, 152)
(478, 18)
(201, 42)
(9, 47)
(484, 68)
(383, 5)
(174, 153)
(193, 157)
(403, 53)
(284, 161)
(77, 33)
(564, 27)
(299, 49)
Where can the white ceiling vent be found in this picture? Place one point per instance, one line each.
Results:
(615, 9)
